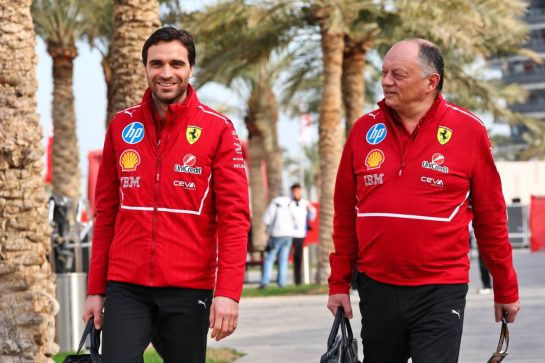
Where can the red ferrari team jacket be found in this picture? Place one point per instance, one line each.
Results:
(171, 212)
(403, 202)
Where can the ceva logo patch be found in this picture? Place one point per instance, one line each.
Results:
(376, 134)
(133, 133)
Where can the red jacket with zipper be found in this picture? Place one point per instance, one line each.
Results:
(403, 202)
(170, 213)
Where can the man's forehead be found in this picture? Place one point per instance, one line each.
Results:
(168, 51)
(403, 55)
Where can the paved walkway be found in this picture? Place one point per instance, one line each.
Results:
(295, 329)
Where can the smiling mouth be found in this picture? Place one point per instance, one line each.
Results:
(164, 84)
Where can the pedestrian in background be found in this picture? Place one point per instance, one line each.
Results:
(409, 173)
(304, 213)
(170, 236)
(484, 274)
(280, 221)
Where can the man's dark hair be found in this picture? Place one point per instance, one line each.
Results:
(431, 61)
(295, 186)
(168, 34)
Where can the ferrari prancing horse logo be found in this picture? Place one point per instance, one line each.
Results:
(192, 134)
(443, 134)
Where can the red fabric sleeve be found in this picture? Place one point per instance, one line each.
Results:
(230, 191)
(343, 259)
(490, 223)
(107, 206)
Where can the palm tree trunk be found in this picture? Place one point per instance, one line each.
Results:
(330, 141)
(256, 162)
(261, 124)
(273, 152)
(66, 173)
(353, 83)
(134, 21)
(27, 297)
(107, 70)
(262, 121)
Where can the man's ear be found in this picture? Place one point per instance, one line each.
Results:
(433, 82)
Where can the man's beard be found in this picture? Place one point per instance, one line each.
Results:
(169, 100)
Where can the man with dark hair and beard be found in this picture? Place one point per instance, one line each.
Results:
(172, 217)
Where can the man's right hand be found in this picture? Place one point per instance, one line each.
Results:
(93, 308)
(337, 300)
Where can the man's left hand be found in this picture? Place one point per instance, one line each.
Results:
(510, 311)
(223, 317)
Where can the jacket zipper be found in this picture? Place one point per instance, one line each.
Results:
(162, 144)
(409, 144)
(154, 222)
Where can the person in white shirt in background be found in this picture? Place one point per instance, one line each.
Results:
(304, 213)
(280, 220)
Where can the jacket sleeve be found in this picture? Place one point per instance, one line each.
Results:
(230, 190)
(490, 223)
(311, 212)
(269, 213)
(107, 206)
(343, 259)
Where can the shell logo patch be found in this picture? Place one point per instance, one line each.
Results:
(129, 160)
(374, 159)
(443, 134)
(192, 134)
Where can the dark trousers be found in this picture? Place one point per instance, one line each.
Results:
(298, 260)
(485, 275)
(134, 313)
(419, 322)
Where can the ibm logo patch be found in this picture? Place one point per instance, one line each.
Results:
(373, 179)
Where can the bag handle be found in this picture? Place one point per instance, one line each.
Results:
(95, 339)
(342, 321)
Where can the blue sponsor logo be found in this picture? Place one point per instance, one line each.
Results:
(376, 134)
(133, 133)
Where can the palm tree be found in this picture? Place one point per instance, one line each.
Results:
(134, 21)
(59, 23)
(99, 16)
(27, 289)
(332, 19)
(225, 60)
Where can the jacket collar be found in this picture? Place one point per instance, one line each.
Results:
(434, 113)
(178, 109)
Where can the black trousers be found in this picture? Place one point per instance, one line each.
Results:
(485, 275)
(419, 322)
(298, 260)
(133, 314)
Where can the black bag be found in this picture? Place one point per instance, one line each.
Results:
(341, 348)
(94, 357)
(270, 245)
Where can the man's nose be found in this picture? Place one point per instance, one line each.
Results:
(386, 79)
(166, 72)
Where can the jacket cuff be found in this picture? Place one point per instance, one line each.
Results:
(226, 293)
